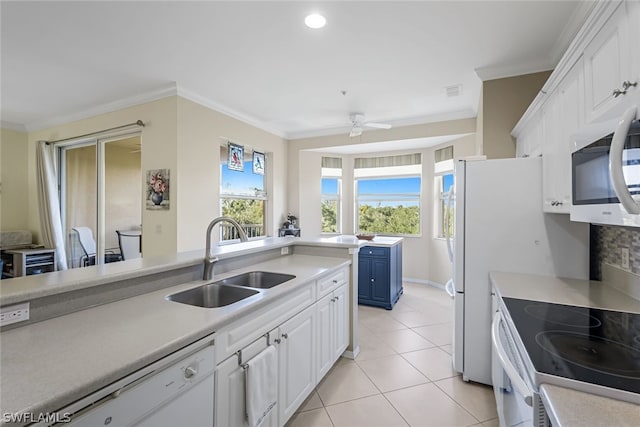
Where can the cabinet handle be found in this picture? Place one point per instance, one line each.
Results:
(337, 298)
(618, 92)
(334, 281)
(285, 336)
(372, 280)
(627, 84)
(277, 341)
(333, 300)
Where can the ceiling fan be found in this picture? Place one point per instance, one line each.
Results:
(358, 124)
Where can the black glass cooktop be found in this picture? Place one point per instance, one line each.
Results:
(585, 344)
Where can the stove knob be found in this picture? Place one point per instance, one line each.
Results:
(190, 372)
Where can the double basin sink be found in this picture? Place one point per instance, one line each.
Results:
(230, 290)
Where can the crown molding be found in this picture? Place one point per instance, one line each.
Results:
(506, 71)
(18, 127)
(206, 102)
(109, 107)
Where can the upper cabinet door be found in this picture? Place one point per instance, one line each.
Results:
(563, 114)
(607, 65)
(633, 11)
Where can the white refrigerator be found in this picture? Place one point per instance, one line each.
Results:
(500, 226)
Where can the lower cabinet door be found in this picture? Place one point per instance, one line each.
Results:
(341, 321)
(297, 362)
(381, 291)
(230, 408)
(325, 328)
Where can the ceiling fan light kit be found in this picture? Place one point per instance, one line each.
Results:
(358, 124)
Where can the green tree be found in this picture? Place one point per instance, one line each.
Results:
(329, 216)
(389, 219)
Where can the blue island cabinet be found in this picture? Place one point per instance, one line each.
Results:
(380, 275)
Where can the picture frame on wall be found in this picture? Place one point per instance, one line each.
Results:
(236, 157)
(158, 189)
(258, 163)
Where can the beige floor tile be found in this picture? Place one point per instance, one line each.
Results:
(314, 418)
(440, 334)
(405, 340)
(491, 423)
(427, 405)
(382, 323)
(312, 402)
(477, 399)
(413, 319)
(345, 382)
(435, 363)
(366, 412)
(448, 348)
(391, 373)
(374, 348)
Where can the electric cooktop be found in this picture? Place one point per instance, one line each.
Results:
(591, 345)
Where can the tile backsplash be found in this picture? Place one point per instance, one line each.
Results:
(606, 245)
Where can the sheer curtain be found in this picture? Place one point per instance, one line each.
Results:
(48, 202)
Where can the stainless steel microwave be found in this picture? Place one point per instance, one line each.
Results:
(605, 172)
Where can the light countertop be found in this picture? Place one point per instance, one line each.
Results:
(27, 288)
(573, 408)
(569, 407)
(585, 293)
(47, 365)
(382, 241)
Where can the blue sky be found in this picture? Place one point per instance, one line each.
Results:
(236, 182)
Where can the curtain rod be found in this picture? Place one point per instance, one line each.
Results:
(137, 123)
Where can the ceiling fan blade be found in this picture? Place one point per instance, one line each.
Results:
(355, 131)
(378, 125)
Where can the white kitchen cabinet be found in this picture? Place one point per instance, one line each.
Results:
(607, 64)
(332, 328)
(529, 141)
(562, 116)
(230, 385)
(297, 362)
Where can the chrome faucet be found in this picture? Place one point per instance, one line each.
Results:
(210, 260)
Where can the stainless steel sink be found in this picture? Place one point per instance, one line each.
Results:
(258, 279)
(212, 295)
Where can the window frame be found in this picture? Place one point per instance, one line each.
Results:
(330, 197)
(264, 196)
(386, 198)
(440, 204)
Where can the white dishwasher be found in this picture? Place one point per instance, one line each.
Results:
(172, 393)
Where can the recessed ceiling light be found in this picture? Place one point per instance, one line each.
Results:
(315, 21)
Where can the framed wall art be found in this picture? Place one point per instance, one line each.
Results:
(258, 163)
(236, 157)
(158, 189)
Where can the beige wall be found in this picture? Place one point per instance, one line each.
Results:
(503, 102)
(425, 257)
(199, 135)
(158, 139)
(179, 135)
(13, 181)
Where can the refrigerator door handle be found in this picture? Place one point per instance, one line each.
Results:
(447, 223)
(449, 288)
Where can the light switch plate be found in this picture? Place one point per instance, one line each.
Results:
(14, 314)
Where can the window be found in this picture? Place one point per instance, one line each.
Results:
(242, 197)
(388, 194)
(443, 181)
(331, 203)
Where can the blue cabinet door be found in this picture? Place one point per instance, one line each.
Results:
(379, 276)
(364, 278)
(381, 289)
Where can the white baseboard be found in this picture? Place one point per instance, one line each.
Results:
(423, 282)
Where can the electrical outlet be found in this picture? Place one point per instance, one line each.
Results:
(624, 258)
(14, 313)
(284, 251)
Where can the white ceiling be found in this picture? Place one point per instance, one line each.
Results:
(62, 61)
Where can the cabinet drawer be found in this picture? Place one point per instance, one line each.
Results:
(332, 281)
(237, 335)
(374, 251)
